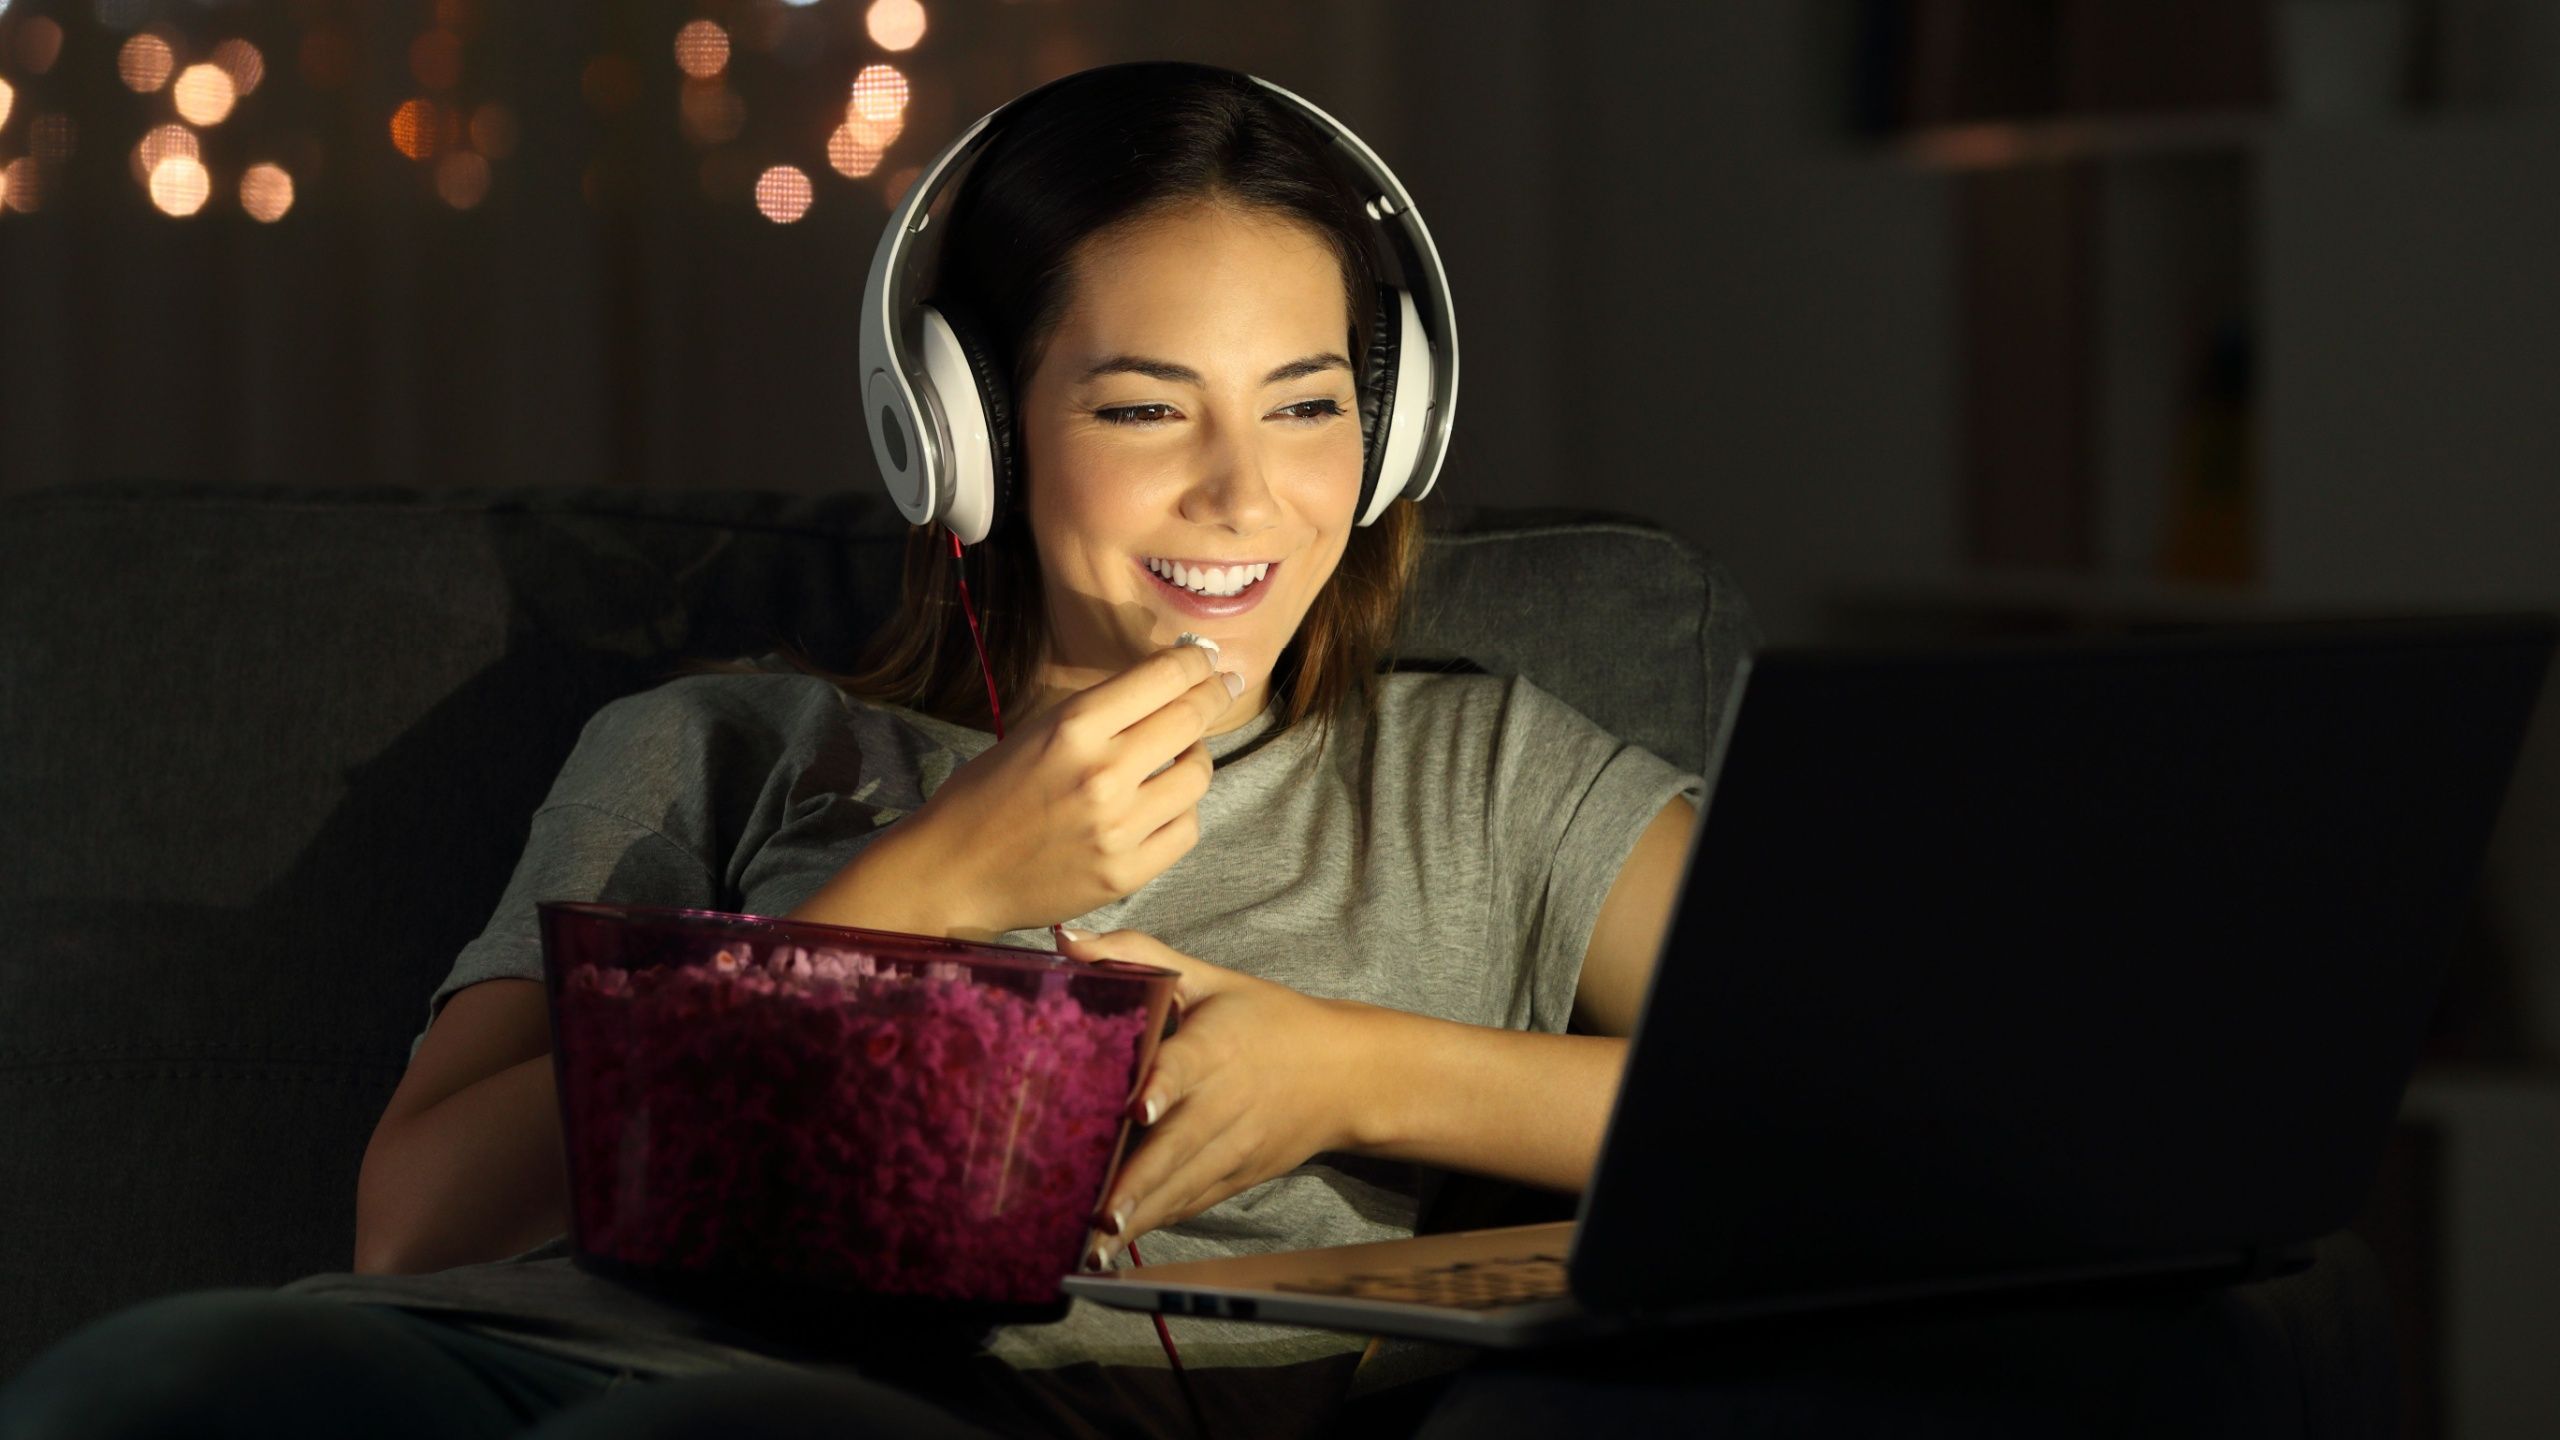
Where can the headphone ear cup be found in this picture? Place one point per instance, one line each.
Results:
(1378, 392)
(995, 397)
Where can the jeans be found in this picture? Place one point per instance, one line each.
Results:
(2307, 1356)
(257, 1365)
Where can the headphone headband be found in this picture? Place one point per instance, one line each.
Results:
(939, 465)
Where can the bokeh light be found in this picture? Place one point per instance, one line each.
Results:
(162, 141)
(417, 128)
(143, 63)
(783, 194)
(4, 171)
(266, 192)
(204, 94)
(159, 143)
(8, 98)
(436, 59)
(242, 62)
(702, 49)
(493, 130)
(879, 93)
(851, 155)
(52, 137)
(875, 133)
(180, 186)
(894, 24)
(24, 185)
(39, 43)
(711, 112)
(462, 178)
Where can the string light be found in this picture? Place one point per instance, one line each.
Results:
(711, 112)
(266, 192)
(52, 137)
(241, 61)
(39, 44)
(851, 155)
(783, 194)
(159, 143)
(417, 128)
(459, 137)
(143, 63)
(462, 178)
(702, 49)
(879, 93)
(894, 24)
(875, 133)
(180, 185)
(204, 94)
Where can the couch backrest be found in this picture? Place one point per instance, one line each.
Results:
(268, 755)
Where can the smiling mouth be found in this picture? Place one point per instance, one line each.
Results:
(1210, 582)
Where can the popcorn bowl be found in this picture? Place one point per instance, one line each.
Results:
(838, 1121)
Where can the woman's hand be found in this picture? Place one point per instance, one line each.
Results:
(1258, 1078)
(1067, 813)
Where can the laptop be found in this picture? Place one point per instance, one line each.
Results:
(2017, 965)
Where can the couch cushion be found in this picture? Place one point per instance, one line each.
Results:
(268, 756)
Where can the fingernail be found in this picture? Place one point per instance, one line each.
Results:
(1235, 687)
(1146, 1116)
(1116, 1221)
(1203, 641)
(1097, 1258)
(1078, 936)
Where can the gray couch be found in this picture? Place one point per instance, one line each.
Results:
(267, 757)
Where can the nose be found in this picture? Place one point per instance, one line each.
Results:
(1232, 492)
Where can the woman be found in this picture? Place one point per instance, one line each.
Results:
(1389, 895)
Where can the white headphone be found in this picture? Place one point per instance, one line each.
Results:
(941, 425)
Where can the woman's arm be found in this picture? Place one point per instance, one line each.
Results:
(1617, 965)
(1516, 1104)
(1261, 1076)
(1525, 1106)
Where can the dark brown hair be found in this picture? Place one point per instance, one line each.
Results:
(1102, 148)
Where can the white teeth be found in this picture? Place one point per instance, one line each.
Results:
(1216, 580)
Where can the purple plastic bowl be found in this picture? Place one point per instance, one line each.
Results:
(756, 1101)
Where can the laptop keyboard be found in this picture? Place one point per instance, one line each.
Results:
(1467, 1285)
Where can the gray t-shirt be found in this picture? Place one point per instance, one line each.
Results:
(1448, 854)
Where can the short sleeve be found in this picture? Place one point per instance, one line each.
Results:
(1566, 806)
(594, 838)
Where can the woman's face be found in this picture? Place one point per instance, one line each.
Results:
(1194, 406)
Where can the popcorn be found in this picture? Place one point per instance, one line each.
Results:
(838, 1118)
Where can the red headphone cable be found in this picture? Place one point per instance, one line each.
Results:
(1163, 1334)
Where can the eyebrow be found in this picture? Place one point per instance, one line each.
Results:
(1173, 374)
